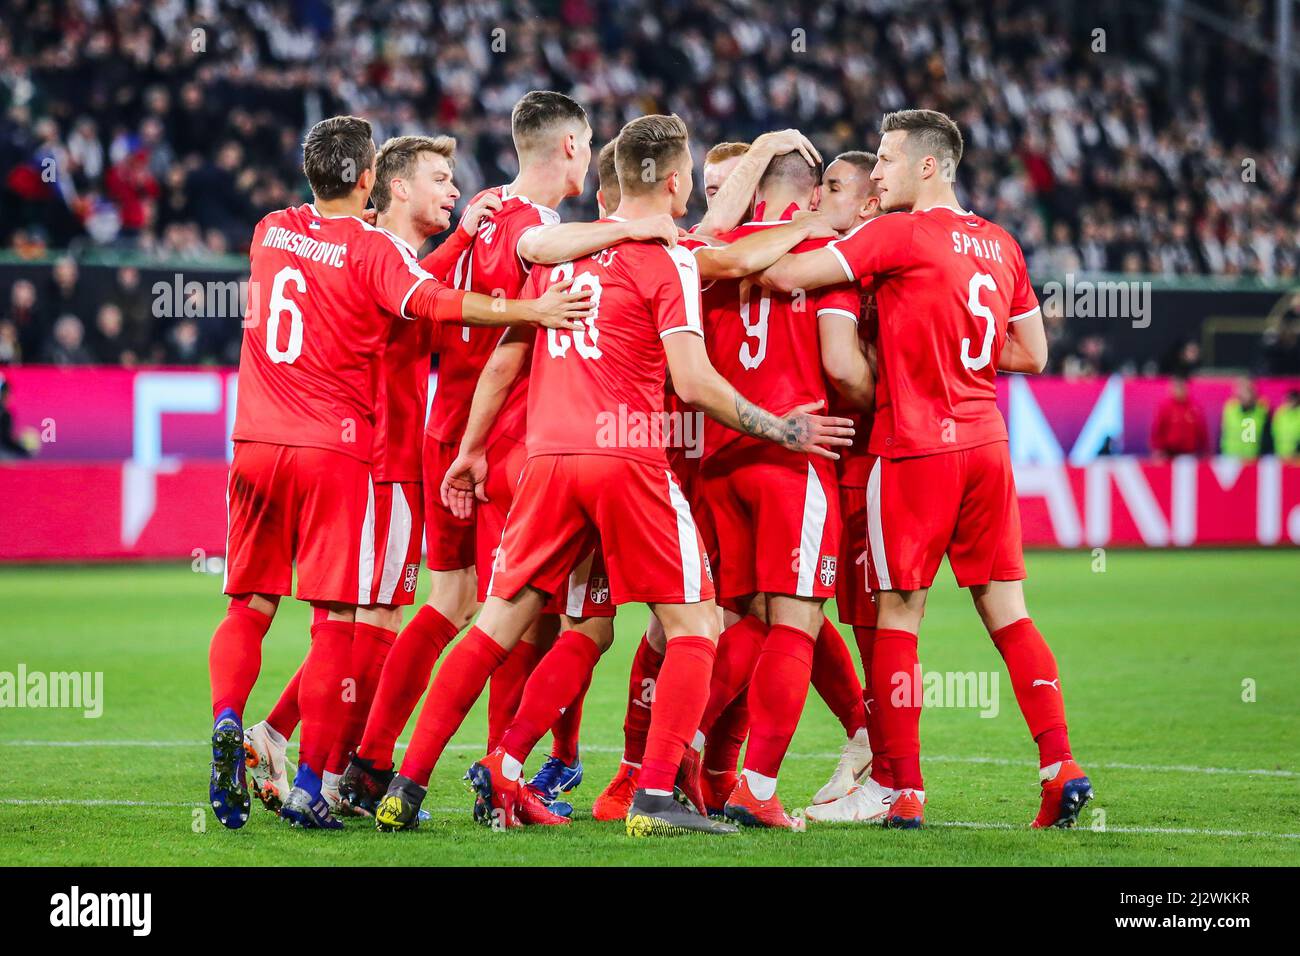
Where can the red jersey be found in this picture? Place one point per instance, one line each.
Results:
(601, 391)
(947, 283)
(326, 292)
(766, 343)
(493, 267)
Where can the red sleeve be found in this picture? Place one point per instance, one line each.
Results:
(392, 274)
(442, 260)
(1023, 299)
(844, 300)
(674, 292)
(876, 247)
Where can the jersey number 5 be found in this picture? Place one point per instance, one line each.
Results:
(281, 304)
(980, 280)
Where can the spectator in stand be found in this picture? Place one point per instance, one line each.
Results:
(1179, 427)
(1245, 423)
(1286, 427)
(64, 294)
(110, 343)
(68, 346)
(10, 447)
(1183, 359)
(26, 319)
(183, 344)
(11, 352)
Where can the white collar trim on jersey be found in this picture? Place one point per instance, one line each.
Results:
(768, 222)
(506, 194)
(960, 212)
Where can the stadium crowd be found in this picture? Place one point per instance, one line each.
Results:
(169, 128)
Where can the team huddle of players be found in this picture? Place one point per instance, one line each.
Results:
(840, 348)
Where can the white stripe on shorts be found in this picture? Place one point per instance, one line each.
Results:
(687, 542)
(579, 577)
(366, 559)
(399, 542)
(810, 534)
(875, 530)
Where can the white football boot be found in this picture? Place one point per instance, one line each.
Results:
(864, 804)
(268, 771)
(851, 771)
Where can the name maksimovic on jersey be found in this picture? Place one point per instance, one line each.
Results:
(636, 429)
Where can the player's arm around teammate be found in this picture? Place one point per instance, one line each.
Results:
(732, 202)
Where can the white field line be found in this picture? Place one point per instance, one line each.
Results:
(591, 748)
(462, 811)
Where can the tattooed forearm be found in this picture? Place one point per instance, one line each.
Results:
(790, 432)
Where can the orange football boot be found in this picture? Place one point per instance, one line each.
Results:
(689, 772)
(499, 795)
(906, 811)
(616, 798)
(746, 809)
(1065, 790)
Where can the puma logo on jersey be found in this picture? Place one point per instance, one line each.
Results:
(1047, 683)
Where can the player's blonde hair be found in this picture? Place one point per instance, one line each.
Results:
(929, 133)
(725, 151)
(647, 150)
(397, 159)
(607, 175)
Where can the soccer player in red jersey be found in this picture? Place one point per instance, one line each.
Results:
(954, 306)
(596, 466)
(770, 345)
(327, 287)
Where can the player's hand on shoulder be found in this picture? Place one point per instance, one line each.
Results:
(816, 434)
(479, 211)
(660, 227)
(561, 307)
(370, 216)
(464, 484)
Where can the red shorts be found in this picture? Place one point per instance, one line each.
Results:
(778, 521)
(290, 506)
(586, 593)
(854, 603)
(566, 504)
(959, 503)
(689, 479)
(450, 540)
(391, 537)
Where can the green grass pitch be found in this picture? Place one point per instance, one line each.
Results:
(1156, 654)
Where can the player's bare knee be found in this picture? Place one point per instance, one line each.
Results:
(599, 630)
(385, 616)
(261, 603)
(1000, 603)
(803, 614)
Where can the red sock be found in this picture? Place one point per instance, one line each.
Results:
(896, 682)
(284, 716)
(680, 695)
(235, 657)
(640, 695)
(321, 696)
(370, 647)
(459, 683)
(866, 639)
(404, 678)
(836, 679)
(738, 650)
(777, 695)
(564, 732)
(727, 736)
(1038, 687)
(553, 685)
(506, 688)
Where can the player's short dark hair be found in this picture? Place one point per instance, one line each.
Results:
(334, 155)
(929, 133)
(860, 158)
(397, 158)
(647, 150)
(607, 175)
(725, 151)
(538, 113)
(790, 169)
